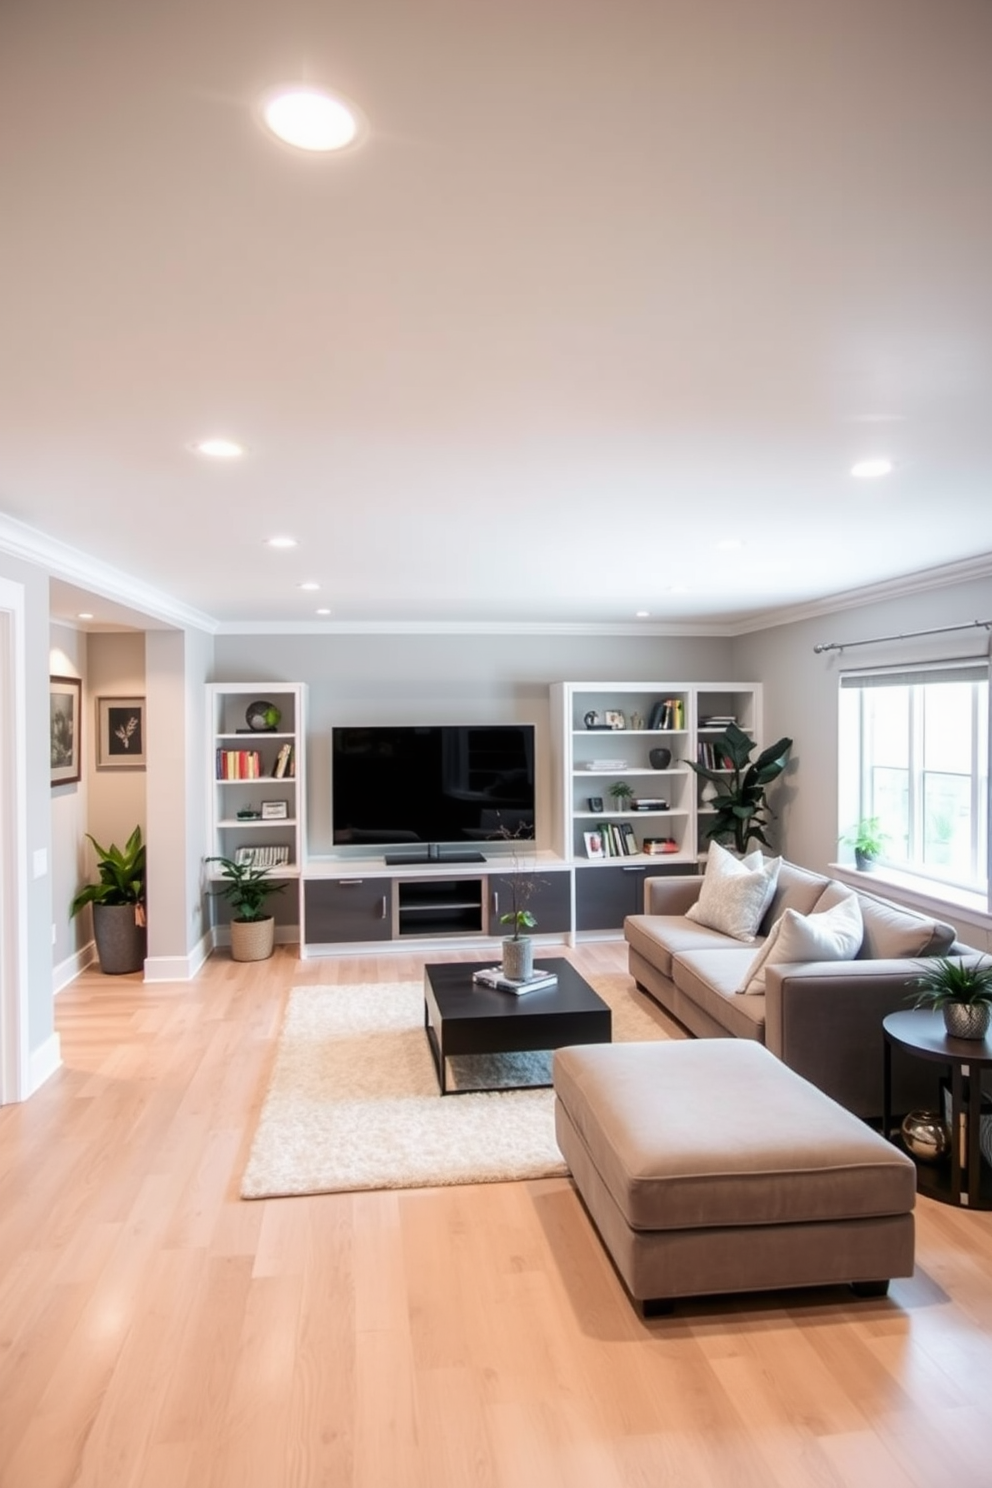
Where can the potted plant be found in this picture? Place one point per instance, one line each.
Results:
(963, 992)
(740, 810)
(247, 888)
(621, 793)
(518, 948)
(868, 840)
(118, 902)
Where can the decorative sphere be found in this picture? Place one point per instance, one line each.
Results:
(262, 716)
(925, 1135)
(660, 758)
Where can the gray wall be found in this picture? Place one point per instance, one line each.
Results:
(800, 695)
(365, 679)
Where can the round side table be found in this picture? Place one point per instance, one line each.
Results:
(963, 1179)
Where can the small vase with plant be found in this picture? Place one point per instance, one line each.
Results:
(621, 793)
(740, 811)
(247, 889)
(868, 841)
(118, 902)
(518, 948)
(962, 990)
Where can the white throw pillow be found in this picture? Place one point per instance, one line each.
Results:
(833, 935)
(735, 892)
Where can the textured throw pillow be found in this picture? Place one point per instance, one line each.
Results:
(735, 892)
(833, 935)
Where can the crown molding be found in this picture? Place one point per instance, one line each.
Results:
(966, 570)
(61, 561)
(465, 628)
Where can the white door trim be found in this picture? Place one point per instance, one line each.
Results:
(14, 1051)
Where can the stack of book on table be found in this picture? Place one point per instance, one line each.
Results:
(492, 976)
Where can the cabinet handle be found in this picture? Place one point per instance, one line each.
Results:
(495, 901)
(382, 907)
(343, 881)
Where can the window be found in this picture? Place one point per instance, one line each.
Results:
(914, 749)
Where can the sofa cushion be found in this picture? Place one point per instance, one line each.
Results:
(735, 892)
(826, 935)
(891, 932)
(660, 937)
(710, 979)
(795, 888)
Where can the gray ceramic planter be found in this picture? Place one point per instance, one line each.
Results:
(120, 942)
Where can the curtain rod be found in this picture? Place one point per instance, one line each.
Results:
(905, 635)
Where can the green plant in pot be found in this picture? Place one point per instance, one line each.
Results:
(962, 990)
(247, 890)
(868, 841)
(621, 793)
(518, 948)
(118, 904)
(740, 811)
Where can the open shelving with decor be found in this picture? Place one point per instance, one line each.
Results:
(257, 797)
(622, 752)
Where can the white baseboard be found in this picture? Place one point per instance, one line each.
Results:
(179, 968)
(42, 1063)
(66, 971)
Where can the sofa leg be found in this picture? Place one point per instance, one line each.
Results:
(870, 1288)
(656, 1306)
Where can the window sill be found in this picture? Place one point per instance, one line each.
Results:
(920, 893)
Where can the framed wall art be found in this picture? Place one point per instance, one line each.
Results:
(120, 737)
(65, 705)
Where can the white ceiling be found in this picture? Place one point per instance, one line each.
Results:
(611, 280)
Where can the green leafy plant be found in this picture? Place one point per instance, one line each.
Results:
(122, 875)
(621, 793)
(246, 888)
(740, 810)
(952, 980)
(523, 886)
(866, 837)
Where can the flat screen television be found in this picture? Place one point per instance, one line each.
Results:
(441, 784)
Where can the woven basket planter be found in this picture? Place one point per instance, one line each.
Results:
(252, 940)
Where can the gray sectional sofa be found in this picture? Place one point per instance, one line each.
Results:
(822, 1019)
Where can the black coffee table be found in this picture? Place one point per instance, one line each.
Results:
(462, 1017)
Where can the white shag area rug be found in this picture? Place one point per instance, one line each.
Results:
(353, 1100)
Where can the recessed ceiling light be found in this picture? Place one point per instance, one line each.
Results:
(219, 449)
(281, 542)
(310, 119)
(309, 584)
(323, 612)
(871, 469)
(643, 614)
(84, 615)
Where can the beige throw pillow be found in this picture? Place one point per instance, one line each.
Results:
(832, 935)
(735, 892)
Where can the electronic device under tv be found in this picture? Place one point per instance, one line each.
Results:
(428, 792)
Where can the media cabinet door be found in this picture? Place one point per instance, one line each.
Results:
(346, 909)
(549, 903)
(604, 897)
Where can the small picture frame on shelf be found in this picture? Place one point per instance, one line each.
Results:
(275, 810)
(595, 803)
(594, 844)
(614, 718)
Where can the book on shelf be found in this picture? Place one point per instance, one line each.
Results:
(668, 714)
(285, 763)
(239, 764)
(262, 857)
(656, 847)
(629, 839)
(492, 976)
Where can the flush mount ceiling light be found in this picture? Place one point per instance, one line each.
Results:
(219, 449)
(871, 469)
(308, 584)
(310, 119)
(323, 612)
(280, 542)
(642, 614)
(85, 615)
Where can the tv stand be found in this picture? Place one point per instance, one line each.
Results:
(433, 853)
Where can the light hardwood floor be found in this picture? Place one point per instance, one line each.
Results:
(156, 1330)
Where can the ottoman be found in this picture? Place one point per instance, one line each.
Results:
(708, 1166)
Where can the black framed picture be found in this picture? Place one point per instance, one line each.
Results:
(65, 706)
(120, 742)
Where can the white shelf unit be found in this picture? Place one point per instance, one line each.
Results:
(229, 734)
(585, 754)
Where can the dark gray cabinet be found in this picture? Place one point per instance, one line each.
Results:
(550, 902)
(345, 909)
(604, 897)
